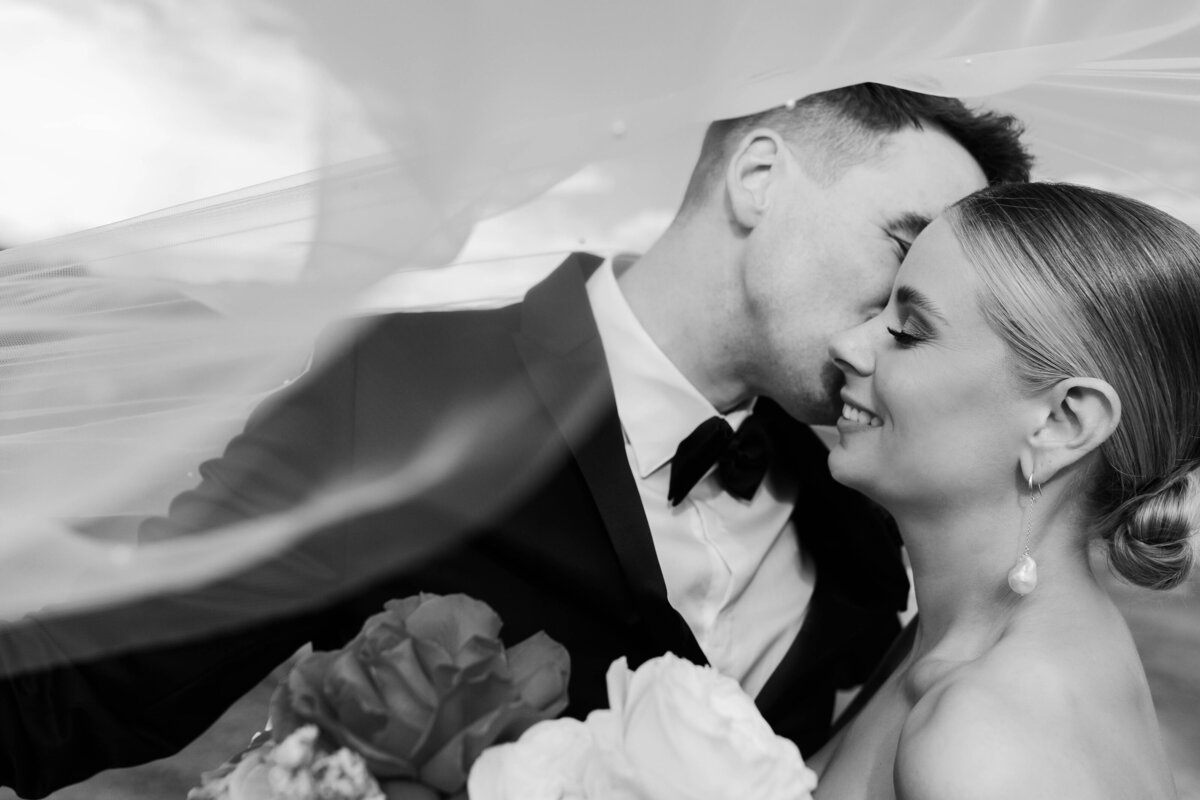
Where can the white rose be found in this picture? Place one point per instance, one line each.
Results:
(675, 731)
(548, 762)
(687, 732)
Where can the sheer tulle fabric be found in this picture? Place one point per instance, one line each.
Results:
(133, 352)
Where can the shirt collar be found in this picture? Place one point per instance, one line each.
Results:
(658, 407)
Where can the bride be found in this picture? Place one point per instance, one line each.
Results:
(1029, 391)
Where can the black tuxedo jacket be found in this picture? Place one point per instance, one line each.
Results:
(544, 524)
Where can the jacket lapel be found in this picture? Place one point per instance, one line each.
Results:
(826, 632)
(564, 358)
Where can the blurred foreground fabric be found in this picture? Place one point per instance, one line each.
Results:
(132, 352)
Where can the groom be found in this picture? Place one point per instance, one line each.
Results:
(642, 480)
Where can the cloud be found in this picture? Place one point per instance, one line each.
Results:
(113, 110)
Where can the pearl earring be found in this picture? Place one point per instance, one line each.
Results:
(1022, 578)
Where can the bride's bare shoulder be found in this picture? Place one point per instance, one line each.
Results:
(975, 736)
(1018, 725)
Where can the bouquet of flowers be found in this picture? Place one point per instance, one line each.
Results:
(426, 703)
(402, 711)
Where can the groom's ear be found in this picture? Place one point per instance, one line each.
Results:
(1077, 415)
(755, 167)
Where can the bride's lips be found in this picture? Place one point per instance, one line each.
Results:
(856, 415)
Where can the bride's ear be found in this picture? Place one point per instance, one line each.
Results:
(1079, 414)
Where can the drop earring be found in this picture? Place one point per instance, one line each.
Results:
(1022, 578)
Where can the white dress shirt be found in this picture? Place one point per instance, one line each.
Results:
(734, 569)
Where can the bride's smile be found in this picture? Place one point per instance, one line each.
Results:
(855, 416)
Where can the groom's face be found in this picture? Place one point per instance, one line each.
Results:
(824, 258)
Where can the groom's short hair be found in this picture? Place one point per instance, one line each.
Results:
(835, 130)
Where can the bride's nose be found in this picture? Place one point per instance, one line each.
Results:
(851, 350)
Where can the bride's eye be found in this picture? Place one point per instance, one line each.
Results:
(905, 338)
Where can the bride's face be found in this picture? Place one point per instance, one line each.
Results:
(932, 413)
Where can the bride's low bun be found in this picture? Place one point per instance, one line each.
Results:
(1151, 537)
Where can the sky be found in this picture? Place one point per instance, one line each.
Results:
(116, 110)
(107, 117)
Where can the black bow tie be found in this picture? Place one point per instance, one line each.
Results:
(742, 458)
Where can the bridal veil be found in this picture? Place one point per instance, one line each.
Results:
(132, 352)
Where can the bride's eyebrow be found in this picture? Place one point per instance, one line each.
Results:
(914, 298)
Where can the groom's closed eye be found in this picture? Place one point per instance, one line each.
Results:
(905, 228)
(901, 243)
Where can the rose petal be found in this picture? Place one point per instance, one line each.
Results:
(617, 678)
(477, 696)
(446, 770)
(453, 620)
(480, 657)
(402, 684)
(605, 727)
(486, 781)
(306, 680)
(504, 722)
(388, 627)
(481, 653)
(283, 717)
(349, 695)
(548, 763)
(349, 711)
(382, 763)
(688, 733)
(541, 670)
(301, 699)
(447, 767)
(401, 609)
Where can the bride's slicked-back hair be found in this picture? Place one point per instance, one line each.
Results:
(834, 130)
(1084, 283)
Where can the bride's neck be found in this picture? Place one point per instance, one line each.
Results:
(960, 559)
